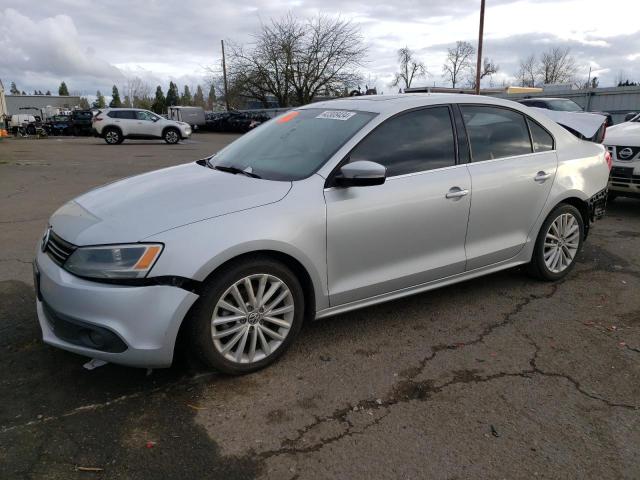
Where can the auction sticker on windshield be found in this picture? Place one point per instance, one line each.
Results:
(336, 115)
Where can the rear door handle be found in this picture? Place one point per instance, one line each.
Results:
(542, 177)
(455, 193)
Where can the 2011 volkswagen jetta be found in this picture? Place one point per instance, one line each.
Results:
(327, 208)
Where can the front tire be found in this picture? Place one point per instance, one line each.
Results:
(558, 244)
(248, 316)
(171, 136)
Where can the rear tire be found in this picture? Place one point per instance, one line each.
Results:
(249, 314)
(558, 244)
(171, 136)
(113, 136)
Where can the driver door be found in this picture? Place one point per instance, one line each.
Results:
(145, 124)
(409, 230)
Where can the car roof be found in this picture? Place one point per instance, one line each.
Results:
(547, 98)
(392, 104)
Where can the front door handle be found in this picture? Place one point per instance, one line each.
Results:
(455, 193)
(542, 177)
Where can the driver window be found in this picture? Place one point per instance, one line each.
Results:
(143, 115)
(411, 142)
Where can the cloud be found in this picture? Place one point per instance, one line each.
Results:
(50, 48)
(93, 45)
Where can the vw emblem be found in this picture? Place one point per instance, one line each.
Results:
(625, 153)
(45, 239)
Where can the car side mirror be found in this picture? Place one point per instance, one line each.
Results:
(361, 173)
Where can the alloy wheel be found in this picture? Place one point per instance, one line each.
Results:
(252, 318)
(172, 136)
(561, 243)
(111, 136)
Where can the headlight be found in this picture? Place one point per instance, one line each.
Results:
(114, 261)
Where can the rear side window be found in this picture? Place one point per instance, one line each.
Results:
(128, 114)
(542, 140)
(412, 142)
(495, 132)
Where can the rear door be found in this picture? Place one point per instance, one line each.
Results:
(411, 229)
(511, 176)
(126, 120)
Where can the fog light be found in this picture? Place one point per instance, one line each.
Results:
(96, 338)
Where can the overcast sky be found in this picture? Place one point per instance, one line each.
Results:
(94, 44)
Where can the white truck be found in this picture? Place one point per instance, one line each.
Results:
(194, 116)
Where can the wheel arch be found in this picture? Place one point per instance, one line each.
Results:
(171, 127)
(581, 204)
(105, 129)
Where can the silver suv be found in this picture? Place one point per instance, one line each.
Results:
(328, 208)
(116, 124)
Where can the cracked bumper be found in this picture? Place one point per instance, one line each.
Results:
(146, 319)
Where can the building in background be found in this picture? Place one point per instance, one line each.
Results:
(43, 105)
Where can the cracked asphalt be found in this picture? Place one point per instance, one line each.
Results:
(498, 377)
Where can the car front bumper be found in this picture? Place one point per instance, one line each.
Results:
(625, 178)
(135, 326)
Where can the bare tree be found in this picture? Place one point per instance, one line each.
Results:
(139, 92)
(489, 68)
(410, 68)
(459, 61)
(528, 71)
(295, 60)
(557, 66)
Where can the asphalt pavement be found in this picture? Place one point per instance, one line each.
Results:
(498, 377)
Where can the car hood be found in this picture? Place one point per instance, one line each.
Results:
(625, 134)
(132, 209)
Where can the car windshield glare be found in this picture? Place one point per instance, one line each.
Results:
(293, 145)
(564, 105)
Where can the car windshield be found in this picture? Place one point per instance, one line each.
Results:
(293, 145)
(564, 105)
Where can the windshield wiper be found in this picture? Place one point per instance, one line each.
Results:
(236, 170)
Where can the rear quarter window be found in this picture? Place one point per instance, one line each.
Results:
(542, 140)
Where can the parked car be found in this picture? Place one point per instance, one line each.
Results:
(82, 122)
(235, 122)
(117, 124)
(327, 208)
(623, 142)
(561, 105)
(60, 125)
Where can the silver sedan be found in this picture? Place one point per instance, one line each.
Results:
(327, 208)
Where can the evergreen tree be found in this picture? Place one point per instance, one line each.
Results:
(100, 101)
(62, 89)
(23, 92)
(198, 98)
(127, 101)
(160, 102)
(84, 103)
(48, 92)
(14, 89)
(186, 99)
(172, 95)
(115, 98)
(212, 100)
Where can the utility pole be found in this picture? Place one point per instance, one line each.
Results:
(480, 35)
(224, 75)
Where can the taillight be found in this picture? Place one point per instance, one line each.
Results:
(96, 119)
(608, 159)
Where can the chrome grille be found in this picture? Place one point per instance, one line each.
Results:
(58, 249)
